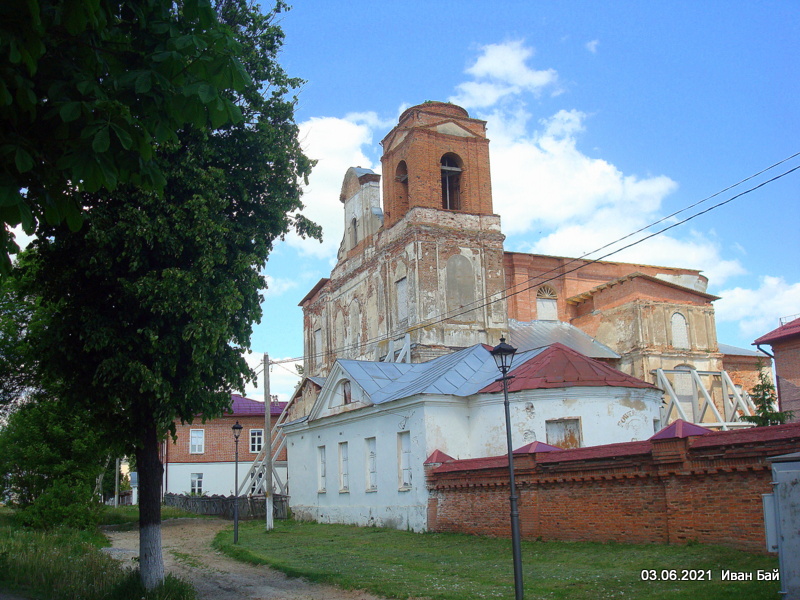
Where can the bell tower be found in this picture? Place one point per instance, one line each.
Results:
(436, 157)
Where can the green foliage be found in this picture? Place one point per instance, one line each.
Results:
(89, 90)
(66, 564)
(400, 564)
(766, 401)
(50, 458)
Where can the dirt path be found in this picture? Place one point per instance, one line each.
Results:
(188, 554)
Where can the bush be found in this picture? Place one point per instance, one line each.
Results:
(63, 504)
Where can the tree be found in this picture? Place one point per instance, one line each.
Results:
(50, 457)
(765, 400)
(88, 90)
(154, 299)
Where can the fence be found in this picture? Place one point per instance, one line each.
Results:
(250, 507)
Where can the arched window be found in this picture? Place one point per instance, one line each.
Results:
(680, 332)
(354, 232)
(401, 177)
(451, 181)
(347, 392)
(546, 304)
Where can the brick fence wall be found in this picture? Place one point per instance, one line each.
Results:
(706, 488)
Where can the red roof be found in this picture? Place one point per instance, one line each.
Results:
(790, 329)
(438, 457)
(680, 429)
(534, 447)
(241, 406)
(559, 366)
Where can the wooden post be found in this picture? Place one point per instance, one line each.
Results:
(268, 440)
(116, 486)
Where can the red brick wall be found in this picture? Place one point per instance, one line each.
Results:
(705, 488)
(219, 444)
(787, 368)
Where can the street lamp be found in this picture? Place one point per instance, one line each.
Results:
(503, 355)
(237, 430)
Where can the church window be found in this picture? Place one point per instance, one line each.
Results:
(354, 232)
(680, 332)
(451, 181)
(401, 291)
(564, 433)
(401, 177)
(460, 290)
(347, 392)
(404, 460)
(546, 304)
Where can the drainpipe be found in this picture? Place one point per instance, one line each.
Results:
(772, 356)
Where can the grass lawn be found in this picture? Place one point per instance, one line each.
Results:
(67, 564)
(399, 564)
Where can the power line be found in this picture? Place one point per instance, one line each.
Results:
(539, 280)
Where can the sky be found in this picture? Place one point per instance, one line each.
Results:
(603, 118)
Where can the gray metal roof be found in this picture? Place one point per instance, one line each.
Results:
(734, 351)
(461, 373)
(537, 334)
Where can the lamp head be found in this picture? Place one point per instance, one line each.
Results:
(503, 355)
(237, 429)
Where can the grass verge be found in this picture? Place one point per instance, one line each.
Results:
(67, 564)
(398, 564)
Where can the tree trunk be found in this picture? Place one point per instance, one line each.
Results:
(151, 563)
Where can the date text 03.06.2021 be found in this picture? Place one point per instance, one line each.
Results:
(675, 575)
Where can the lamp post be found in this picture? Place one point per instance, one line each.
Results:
(503, 355)
(237, 430)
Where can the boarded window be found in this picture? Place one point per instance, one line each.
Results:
(680, 332)
(546, 304)
(321, 474)
(460, 284)
(564, 433)
(344, 469)
(372, 465)
(401, 291)
(451, 181)
(404, 459)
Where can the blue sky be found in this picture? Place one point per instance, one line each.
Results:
(602, 119)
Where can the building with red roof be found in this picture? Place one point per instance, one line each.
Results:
(201, 458)
(358, 456)
(785, 342)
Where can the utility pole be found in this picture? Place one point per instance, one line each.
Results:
(268, 442)
(116, 486)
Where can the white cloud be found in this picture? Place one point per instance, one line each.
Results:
(276, 286)
(500, 72)
(337, 144)
(758, 311)
(592, 46)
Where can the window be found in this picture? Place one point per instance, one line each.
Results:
(680, 332)
(451, 182)
(256, 440)
(344, 473)
(401, 291)
(354, 232)
(197, 443)
(372, 465)
(321, 468)
(317, 350)
(401, 177)
(347, 392)
(404, 460)
(546, 304)
(564, 433)
(197, 484)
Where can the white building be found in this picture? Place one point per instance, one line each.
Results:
(359, 455)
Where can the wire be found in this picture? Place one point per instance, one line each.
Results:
(507, 292)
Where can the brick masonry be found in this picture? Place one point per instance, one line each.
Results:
(705, 488)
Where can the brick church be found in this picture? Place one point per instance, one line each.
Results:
(422, 272)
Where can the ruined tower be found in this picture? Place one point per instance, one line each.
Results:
(422, 276)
